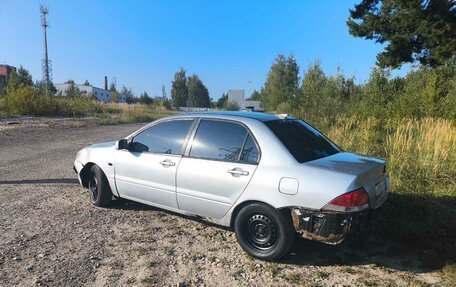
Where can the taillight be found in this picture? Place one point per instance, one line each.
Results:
(356, 200)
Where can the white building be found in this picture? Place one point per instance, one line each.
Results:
(102, 95)
(238, 97)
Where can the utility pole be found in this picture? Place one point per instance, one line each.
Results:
(46, 63)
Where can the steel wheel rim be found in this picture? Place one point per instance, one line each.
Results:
(260, 232)
(93, 189)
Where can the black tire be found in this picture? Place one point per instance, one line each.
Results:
(99, 190)
(264, 232)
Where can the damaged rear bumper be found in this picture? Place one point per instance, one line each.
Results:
(328, 227)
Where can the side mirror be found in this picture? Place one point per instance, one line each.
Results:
(122, 144)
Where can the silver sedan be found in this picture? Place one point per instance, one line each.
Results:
(269, 177)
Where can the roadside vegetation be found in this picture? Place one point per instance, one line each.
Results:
(115, 113)
(421, 154)
(23, 97)
(410, 121)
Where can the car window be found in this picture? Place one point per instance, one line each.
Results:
(303, 141)
(218, 140)
(250, 151)
(167, 137)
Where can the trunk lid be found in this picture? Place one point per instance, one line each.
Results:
(370, 172)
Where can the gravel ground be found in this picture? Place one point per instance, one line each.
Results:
(50, 235)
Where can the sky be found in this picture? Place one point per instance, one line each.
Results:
(141, 44)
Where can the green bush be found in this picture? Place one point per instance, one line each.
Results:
(76, 106)
(319, 96)
(423, 92)
(230, 106)
(26, 100)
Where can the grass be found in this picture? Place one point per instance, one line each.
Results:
(273, 268)
(28, 101)
(421, 158)
(151, 280)
(195, 256)
(116, 264)
(294, 278)
(449, 272)
(322, 274)
(141, 250)
(122, 113)
(169, 251)
(349, 270)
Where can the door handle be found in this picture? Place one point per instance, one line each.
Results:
(237, 171)
(167, 163)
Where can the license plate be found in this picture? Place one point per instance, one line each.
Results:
(380, 188)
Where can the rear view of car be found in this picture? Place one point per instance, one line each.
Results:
(366, 189)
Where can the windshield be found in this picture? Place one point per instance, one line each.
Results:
(303, 141)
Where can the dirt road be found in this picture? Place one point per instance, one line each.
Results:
(50, 235)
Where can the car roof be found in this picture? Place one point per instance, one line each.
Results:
(263, 117)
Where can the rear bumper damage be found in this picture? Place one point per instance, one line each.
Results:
(328, 227)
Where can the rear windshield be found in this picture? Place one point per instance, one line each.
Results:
(303, 141)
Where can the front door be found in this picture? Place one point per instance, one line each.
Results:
(147, 170)
(221, 161)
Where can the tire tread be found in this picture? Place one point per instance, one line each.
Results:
(104, 193)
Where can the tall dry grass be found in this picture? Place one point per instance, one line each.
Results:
(27, 100)
(420, 150)
(421, 157)
(426, 147)
(355, 134)
(114, 113)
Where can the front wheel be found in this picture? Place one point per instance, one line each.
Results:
(264, 232)
(98, 185)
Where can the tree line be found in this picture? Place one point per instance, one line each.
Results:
(422, 33)
(189, 91)
(22, 77)
(424, 91)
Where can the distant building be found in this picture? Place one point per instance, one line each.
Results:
(102, 95)
(238, 97)
(5, 73)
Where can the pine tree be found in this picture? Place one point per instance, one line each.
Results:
(179, 91)
(198, 95)
(415, 31)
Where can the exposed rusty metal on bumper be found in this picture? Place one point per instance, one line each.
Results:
(327, 227)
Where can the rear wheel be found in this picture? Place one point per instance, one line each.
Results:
(264, 232)
(98, 185)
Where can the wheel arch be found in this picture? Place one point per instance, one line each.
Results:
(239, 207)
(85, 173)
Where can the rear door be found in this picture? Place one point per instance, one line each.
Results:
(147, 171)
(221, 160)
